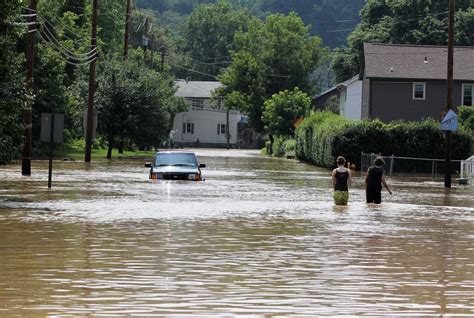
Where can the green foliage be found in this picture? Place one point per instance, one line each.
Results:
(403, 22)
(209, 36)
(332, 105)
(283, 146)
(324, 136)
(466, 120)
(282, 111)
(272, 56)
(331, 20)
(135, 103)
(12, 92)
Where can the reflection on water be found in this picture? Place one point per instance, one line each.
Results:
(259, 238)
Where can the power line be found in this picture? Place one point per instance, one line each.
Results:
(60, 50)
(45, 21)
(394, 23)
(194, 71)
(51, 37)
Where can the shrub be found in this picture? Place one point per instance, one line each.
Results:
(323, 136)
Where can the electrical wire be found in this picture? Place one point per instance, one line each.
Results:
(46, 37)
(67, 58)
(83, 40)
(194, 71)
(53, 38)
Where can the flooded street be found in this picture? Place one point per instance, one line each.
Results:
(259, 238)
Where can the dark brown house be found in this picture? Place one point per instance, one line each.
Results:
(410, 81)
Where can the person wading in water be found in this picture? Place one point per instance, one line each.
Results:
(374, 179)
(341, 180)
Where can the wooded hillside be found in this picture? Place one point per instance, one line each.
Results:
(333, 20)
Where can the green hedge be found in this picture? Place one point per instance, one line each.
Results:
(323, 136)
(283, 147)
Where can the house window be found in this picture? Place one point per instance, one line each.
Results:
(467, 92)
(197, 103)
(221, 129)
(188, 128)
(419, 90)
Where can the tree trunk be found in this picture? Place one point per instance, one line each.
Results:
(121, 146)
(271, 143)
(110, 145)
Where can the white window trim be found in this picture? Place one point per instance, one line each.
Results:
(424, 90)
(219, 129)
(191, 130)
(472, 92)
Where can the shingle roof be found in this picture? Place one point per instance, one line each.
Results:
(416, 61)
(196, 89)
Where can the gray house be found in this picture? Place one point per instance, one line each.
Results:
(409, 81)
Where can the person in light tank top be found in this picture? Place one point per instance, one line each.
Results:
(341, 180)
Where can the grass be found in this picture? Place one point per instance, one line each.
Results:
(74, 153)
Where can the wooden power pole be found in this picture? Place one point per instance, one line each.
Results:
(28, 113)
(128, 17)
(90, 105)
(449, 104)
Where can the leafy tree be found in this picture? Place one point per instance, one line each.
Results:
(209, 36)
(283, 110)
(330, 19)
(12, 92)
(272, 56)
(135, 102)
(403, 22)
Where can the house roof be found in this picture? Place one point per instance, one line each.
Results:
(338, 86)
(196, 89)
(349, 81)
(403, 61)
(329, 90)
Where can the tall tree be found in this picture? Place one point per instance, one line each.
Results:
(135, 102)
(272, 56)
(12, 92)
(209, 36)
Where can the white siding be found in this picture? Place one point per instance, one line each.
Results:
(353, 101)
(205, 126)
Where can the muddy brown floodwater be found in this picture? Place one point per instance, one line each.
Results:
(259, 238)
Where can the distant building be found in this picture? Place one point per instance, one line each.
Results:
(409, 82)
(320, 100)
(349, 98)
(204, 124)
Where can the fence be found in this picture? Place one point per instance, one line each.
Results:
(404, 165)
(467, 168)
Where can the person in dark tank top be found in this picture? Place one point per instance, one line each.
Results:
(341, 180)
(374, 180)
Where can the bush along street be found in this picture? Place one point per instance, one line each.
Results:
(322, 136)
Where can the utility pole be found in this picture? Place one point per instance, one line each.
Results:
(128, 17)
(449, 104)
(90, 105)
(227, 134)
(28, 113)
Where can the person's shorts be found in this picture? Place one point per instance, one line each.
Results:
(341, 197)
(374, 197)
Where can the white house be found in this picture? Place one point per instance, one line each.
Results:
(350, 98)
(205, 124)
